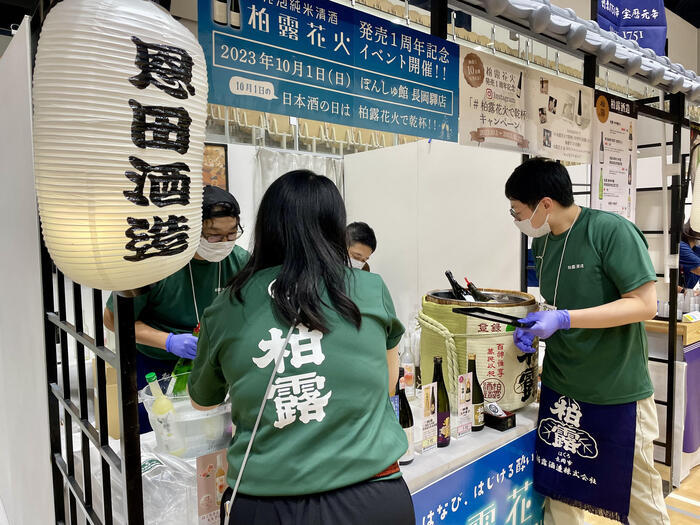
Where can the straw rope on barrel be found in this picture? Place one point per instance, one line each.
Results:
(428, 323)
(506, 375)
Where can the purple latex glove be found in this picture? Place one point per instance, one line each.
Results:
(524, 340)
(182, 345)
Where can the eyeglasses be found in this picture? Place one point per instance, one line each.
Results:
(230, 237)
(513, 213)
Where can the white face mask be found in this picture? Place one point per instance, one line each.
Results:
(356, 264)
(528, 229)
(214, 251)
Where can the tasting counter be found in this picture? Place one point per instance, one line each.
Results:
(686, 435)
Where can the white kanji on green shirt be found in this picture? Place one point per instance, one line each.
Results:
(298, 394)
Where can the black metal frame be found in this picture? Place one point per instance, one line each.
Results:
(57, 332)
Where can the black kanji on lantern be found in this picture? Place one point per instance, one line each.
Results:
(168, 68)
(168, 184)
(162, 239)
(166, 121)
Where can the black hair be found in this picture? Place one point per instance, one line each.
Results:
(538, 178)
(362, 233)
(301, 226)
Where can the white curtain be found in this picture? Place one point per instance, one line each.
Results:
(272, 164)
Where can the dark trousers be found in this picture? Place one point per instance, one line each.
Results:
(368, 503)
(146, 365)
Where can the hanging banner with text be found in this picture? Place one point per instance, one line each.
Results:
(559, 116)
(491, 101)
(496, 488)
(640, 20)
(324, 61)
(614, 163)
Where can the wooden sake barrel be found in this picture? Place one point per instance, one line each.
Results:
(507, 375)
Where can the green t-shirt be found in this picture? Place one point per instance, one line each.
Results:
(606, 256)
(168, 305)
(328, 422)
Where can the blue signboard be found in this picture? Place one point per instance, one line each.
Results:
(494, 490)
(640, 20)
(323, 61)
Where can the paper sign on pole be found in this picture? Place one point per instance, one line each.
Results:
(559, 118)
(491, 101)
(614, 166)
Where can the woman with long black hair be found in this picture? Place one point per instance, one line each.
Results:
(306, 347)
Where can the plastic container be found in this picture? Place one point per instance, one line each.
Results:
(202, 431)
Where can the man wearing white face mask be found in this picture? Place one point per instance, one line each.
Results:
(361, 243)
(168, 313)
(597, 421)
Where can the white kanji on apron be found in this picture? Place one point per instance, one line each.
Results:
(296, 395)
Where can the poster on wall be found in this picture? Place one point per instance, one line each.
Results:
(614, 163)
(641, 20)
(327, 62)
(496, 488)
(491, 101)
(215, 166)
(559, 116)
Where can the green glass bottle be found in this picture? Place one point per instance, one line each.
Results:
(600, 185)
(477, 396)
(443, 404)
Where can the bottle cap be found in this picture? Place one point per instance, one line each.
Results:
(471, 356)
(151, 378)
(437, 359)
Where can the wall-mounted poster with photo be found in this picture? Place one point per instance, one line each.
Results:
(614, 163)
(559, 114)
(215, 166)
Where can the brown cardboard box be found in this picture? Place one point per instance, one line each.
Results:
(112, 400)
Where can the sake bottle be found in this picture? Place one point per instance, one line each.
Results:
(408, 367)
(600, 185)
(518, 91)
(163, 413)
(631, 139)
(477, 396)
(629, 172)
(459, 292)
(405, 419)
(476, 293)
(601, 158)
(443, 404)
(234, 15)
(220, 11)
(579, 117)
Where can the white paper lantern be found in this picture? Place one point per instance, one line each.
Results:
(120, 95)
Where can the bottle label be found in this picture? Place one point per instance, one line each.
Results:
(402, 383)
(409, 375)
(464, 407)
(443, 426)
(479, 414)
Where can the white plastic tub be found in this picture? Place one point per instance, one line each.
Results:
(202, 431)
